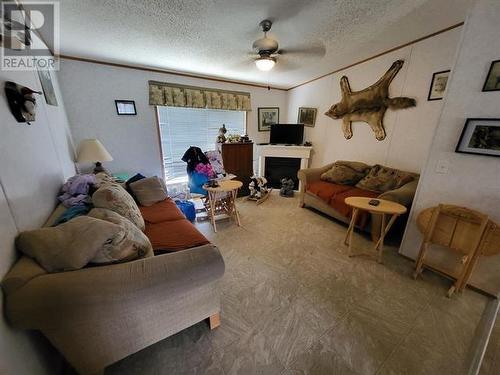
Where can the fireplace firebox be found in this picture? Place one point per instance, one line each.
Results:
(278, 168)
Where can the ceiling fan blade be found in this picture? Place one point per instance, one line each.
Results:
(284, 64)
(312, 51)
(244, 64)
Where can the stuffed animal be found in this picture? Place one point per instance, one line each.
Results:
(287, 186)
(258, 187)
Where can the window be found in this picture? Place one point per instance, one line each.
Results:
(182, 127)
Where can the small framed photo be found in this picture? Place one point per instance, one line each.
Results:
(492, 82)
(307, 116)
(125, 107)
(438, 85)
(267, 117)
(480, 136)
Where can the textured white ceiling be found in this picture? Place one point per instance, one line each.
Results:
(214, 37)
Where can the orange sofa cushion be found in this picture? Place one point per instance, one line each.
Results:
(338, 201)
(326, 190)
(174, 235)
(165, 210)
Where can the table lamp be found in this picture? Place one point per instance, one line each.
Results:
(92, 151)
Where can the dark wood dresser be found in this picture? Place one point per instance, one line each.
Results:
(238, 160)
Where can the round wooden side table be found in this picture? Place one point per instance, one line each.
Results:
(222, 201)
(384, 208)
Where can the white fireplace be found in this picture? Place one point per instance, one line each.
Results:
(281, 151)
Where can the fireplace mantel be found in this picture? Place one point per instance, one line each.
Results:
(281, 151)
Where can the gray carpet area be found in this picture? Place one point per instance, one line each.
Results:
(294, 303)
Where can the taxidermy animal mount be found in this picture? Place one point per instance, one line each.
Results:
(368, 105)
(21, 102)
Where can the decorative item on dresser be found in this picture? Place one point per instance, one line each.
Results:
(238, 160)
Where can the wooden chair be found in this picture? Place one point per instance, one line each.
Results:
(458, 228)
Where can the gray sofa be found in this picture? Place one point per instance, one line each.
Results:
(96, 316)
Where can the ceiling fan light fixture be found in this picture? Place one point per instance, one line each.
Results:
(265, 63)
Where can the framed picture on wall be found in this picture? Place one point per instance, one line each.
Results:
(267, 117)
(47, 87)
(125, 107)
(438, 85)
(480, 136)
(492, 82)
(307, 116)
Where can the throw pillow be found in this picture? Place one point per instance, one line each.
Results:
(381, 179)
(130, 243)
(134, 178)
(69, 246)
(346, 172)
(102, 179)
(149, 191)
(116, 198)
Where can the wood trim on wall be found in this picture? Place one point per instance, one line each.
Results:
(158, 130)
(166, 71)
(380, 54)
(209, 78)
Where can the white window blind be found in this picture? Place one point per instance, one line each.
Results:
(181, 128)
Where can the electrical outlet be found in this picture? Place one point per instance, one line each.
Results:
(442, 166)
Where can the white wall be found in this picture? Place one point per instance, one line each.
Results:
(472, 180)
(36, 160)
(409, 131)
(91, 89)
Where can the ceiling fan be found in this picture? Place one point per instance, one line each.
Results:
(267, 49)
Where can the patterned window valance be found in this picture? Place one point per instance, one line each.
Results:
(174, 95)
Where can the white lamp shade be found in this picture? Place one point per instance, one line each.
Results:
(92, 151)
(265, 63)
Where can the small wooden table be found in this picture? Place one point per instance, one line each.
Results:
(222, 200)
(384, 208)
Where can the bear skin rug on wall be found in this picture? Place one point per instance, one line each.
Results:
(368, 105)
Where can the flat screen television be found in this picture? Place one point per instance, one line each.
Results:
(287, 134)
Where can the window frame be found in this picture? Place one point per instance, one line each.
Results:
(159, 132)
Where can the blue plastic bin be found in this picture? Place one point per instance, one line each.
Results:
(187, 209)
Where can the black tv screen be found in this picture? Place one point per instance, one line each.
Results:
(288, 134)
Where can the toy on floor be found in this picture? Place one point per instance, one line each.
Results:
(287, 186)
(259, 191)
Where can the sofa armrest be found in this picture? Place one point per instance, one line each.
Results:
(312, 174)
(85, 293)
(403, 195)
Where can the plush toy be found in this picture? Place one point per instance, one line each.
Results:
(287, 186)
(258, 187)
(233, 138)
